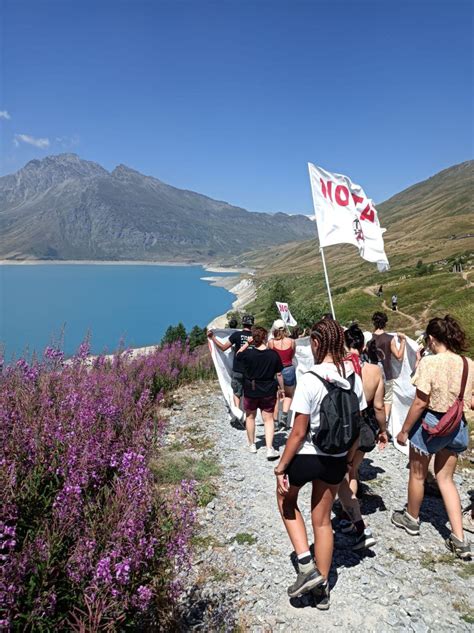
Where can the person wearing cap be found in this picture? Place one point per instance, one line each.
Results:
(285, 347)
(236, 340)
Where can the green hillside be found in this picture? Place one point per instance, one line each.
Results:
(430, 227)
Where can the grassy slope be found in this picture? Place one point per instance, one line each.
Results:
(428, 221)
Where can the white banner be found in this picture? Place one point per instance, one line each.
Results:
(285, 313)
(345, 215)
(403, 391)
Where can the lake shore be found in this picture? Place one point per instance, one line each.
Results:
(211, 268)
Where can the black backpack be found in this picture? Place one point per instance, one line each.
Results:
(340, 418)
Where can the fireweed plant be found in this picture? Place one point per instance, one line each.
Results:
(88, 541)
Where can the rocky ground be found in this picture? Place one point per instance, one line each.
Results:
(243, 558)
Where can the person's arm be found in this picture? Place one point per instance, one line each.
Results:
(222, 346)
(293, 443)
(398, 352)
(379, 409)
(281, 384)
(418, 405)
(245, 346)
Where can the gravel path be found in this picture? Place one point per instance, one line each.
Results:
(242, 563)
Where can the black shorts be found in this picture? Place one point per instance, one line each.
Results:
(306, 468)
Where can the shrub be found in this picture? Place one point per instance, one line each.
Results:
(86, 541)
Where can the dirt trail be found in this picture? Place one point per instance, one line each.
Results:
(466, 278)
(415, 322)
(243, 565)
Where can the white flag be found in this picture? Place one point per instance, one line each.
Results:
(345, 215)
(285, 313)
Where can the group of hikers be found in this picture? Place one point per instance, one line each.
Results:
(379, 294)
(340, 409)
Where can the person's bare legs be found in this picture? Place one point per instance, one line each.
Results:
(269, 427)
(445, 465)
(237, 401)
(348, 499)
(354, 472)
(289, 392)
(416, 481)
(292, 519)
(250, 426)
(322, 498)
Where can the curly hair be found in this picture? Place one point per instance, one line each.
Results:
(379, 319)
(330, 337)
(449, 332)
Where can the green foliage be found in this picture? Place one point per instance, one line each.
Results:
(174, 333)
(308, 312)
(173, 468)
(197, 337)
(235, 314)
(422, 269)
(244, 538)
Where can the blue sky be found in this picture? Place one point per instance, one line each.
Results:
(232, 98)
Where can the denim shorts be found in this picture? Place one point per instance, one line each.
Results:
(423, 442)
(289, 376)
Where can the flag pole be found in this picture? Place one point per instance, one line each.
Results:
(321, 250)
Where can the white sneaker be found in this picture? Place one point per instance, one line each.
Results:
(252, 448)
(272, 453)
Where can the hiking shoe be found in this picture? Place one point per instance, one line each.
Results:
(272, 453)
(346, 526)
(468, 521)
(321, 597)
(364, 540)
(462, 549)
(402, 519)
(252, 448)
(308, 578)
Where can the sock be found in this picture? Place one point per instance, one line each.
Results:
(359, 526)
(412, 518)
(304, 558)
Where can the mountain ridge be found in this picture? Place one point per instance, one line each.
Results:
(63, 207)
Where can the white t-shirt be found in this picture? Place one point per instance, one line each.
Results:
(309, 394)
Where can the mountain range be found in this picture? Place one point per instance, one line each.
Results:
(66, 208)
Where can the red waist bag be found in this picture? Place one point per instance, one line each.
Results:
(452, 418)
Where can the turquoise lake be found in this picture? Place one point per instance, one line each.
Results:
(133, 304)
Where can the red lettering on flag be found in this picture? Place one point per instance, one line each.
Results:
(342, 195)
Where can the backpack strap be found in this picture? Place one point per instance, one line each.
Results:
(326, 383)
(465, 371)
(331, 385)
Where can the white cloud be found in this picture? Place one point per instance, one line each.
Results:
(67, 141)
(5, 115)
(42, 143)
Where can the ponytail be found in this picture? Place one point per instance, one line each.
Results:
(372, 352)
(449, 332)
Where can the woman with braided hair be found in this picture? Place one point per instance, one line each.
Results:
(302, 462)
